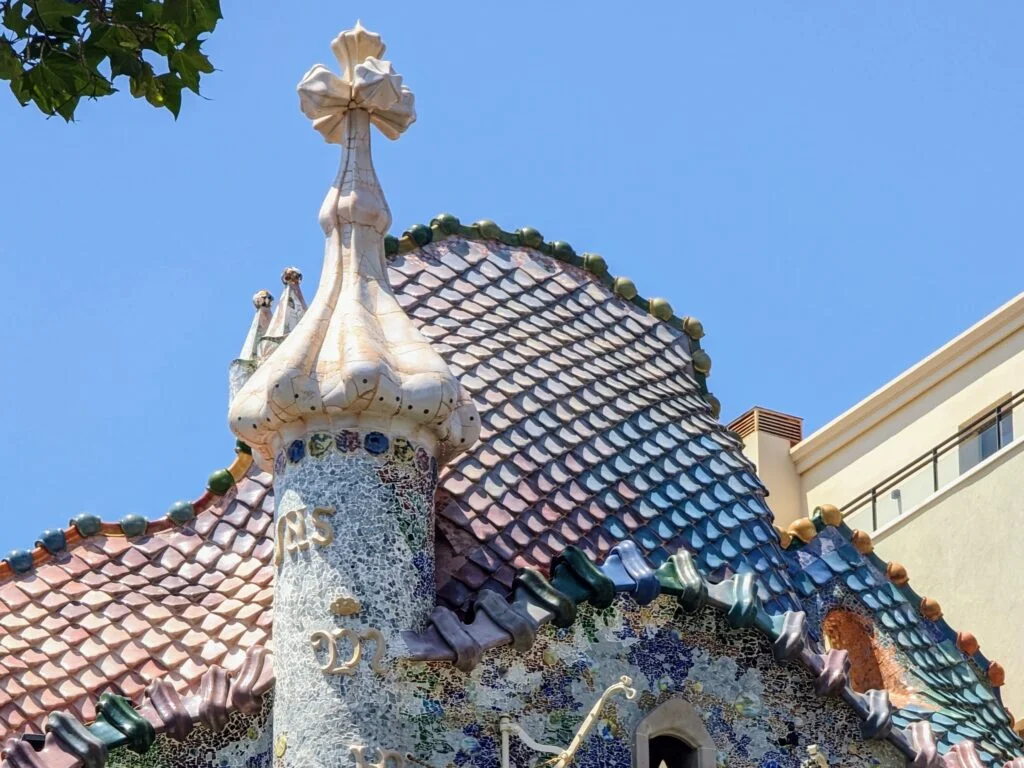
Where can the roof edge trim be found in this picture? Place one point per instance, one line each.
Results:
(913, 382)
(54, 541)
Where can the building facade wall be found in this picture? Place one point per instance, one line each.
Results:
(963, 547)
(757, 711)
(927, 420)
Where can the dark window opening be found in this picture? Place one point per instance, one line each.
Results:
(670, 752)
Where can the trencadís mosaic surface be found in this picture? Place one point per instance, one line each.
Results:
(758, 712)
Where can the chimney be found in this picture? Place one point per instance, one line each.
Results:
(768, 437)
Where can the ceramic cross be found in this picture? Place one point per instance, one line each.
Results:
(342, 109)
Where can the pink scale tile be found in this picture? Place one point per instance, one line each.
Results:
(208, 554)
(173, 656)
(186, 543)
(110, 665)
(248, 612)
(175, 628)
(151, 670)
(232, 631)
(243, 569)
(33, 586)
(213, 651)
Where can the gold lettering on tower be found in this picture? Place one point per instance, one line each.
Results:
(291, 533)
(324, 533)
(331, 640)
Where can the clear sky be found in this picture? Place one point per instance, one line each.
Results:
(834, 189)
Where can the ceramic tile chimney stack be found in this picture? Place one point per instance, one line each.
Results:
(354, 411)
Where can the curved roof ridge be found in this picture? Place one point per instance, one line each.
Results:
(804, 530)
(56, 541)
(445, 225)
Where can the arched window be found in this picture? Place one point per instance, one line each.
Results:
(675, 735)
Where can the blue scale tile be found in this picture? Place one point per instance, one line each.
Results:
(746, 542)
(870, 602)
(616, 528)
(725, 519)
(646, 538)
(740, 512)
(729, 550)
(662, 529)
(710, 444)
(819, 572)
(702, 476)
(803, 584)
(757, 507)
(694, 541)
(712, 560)
(836, 562)
(854, 583)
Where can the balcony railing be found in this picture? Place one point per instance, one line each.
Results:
(934, 469)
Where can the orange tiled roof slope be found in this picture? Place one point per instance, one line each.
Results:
(112, 613)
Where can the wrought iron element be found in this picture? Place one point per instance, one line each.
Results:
(564, 756)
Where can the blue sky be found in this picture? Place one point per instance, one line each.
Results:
(834, 189)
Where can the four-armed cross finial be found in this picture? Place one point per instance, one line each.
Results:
(366, 83)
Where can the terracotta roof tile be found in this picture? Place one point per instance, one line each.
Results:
(119, 612)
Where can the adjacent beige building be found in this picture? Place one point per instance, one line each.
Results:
(932, 467)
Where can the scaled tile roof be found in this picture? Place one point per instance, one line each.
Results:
(110, 612)
(595, 427)
(952, 688)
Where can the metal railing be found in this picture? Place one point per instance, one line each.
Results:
(914, 471)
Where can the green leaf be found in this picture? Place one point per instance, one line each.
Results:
(10, 64)
(66, 108)
(14, 18)
(19, 88)
(171, 90)
(192, 17)
(188, 63)
(123, 63)
(127, 10)
(55, 14)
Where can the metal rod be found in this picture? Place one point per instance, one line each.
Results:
(935, 469)
(940, 449)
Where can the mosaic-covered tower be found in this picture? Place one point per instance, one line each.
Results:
(354, 410)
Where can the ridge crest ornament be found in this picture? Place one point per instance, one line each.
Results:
(355, 359)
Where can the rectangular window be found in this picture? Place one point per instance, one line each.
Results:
(983, 441)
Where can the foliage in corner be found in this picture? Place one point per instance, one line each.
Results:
(55, 52)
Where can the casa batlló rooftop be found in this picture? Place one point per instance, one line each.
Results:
(482, 512)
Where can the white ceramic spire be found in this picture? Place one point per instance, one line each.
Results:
(242, 367)
(289, 311)
(262, 301)
(355, 358)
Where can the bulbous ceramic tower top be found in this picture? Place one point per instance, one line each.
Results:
(355, 358)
